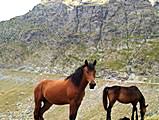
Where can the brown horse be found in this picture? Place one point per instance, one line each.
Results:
(68, 91)
(124, 95)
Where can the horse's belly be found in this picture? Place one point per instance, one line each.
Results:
(58, 97)
(125, 98)
(125, 102)
(60, 102)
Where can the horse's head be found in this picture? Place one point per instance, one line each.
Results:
(142, 111)
(89, 73)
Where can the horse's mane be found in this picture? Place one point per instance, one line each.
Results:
(76, 77)
(142, 101)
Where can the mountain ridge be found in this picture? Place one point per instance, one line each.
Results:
(54, 36)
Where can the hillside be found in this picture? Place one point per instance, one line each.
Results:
(121, 35)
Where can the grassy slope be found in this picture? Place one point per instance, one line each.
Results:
(20, 53)
(91, 108)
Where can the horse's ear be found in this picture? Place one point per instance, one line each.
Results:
(147, 105)
(95, 62)
(86, 62)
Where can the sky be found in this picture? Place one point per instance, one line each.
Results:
(12, 8)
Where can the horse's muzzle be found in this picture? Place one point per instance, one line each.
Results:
(92, 85)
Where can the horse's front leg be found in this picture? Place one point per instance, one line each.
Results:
(73, 109)
(133, 110)
(136, 113)
(132, 116)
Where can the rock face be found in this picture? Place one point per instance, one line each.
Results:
(118, 18)
(52, 33)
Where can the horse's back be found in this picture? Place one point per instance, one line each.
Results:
(113, 90)
(134, 90)
(38, 90)
(129, 94)
(53, 85)
(133, 87)
(125, 88)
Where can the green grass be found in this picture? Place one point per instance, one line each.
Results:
(115, 65)
(12, 93)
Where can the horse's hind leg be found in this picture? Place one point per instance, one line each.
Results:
(37, 99)
(133, 110)
(45, 107)
(37, 109)
(109, 109)
(132, 116)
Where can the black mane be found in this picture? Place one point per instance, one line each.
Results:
(76, 77)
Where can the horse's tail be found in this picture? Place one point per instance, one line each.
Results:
(105, 94)
(37, 99)
(38, 92)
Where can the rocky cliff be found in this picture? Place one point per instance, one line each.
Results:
(55, 35)
(117, 19)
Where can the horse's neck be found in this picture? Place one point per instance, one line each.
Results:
(142, 102)
(83, 84)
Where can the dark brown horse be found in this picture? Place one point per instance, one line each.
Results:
(68, 91)
(124, 95)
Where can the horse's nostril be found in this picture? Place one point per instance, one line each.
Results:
(92, 85)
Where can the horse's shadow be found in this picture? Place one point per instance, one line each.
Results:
(124, 118)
